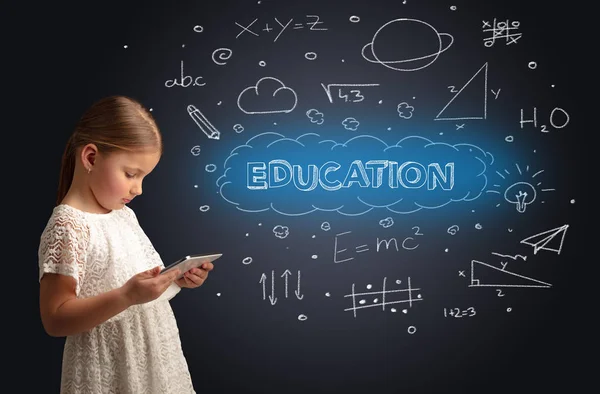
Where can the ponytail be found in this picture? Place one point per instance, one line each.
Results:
(67, 169)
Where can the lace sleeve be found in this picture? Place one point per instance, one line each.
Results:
(63, 246)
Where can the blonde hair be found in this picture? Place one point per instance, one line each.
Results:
(114, 123)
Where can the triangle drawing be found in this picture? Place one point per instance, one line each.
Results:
(542, 240)
(474, 93)
(490, 276)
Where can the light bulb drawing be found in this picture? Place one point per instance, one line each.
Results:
(521, 194)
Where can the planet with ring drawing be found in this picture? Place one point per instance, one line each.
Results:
(406, 45)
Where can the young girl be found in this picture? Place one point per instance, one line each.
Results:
(99, 273)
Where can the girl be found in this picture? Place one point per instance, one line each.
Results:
(98, 271)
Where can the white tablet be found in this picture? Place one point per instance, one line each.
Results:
(188, 262)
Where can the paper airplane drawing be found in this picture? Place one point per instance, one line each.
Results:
(542, 240)
(490, 276)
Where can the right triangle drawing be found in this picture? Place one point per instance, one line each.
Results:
(489, 276)
(460, 107)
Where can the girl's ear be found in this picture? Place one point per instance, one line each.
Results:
(88, 156)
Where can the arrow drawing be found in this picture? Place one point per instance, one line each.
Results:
(263, 280)
(285, 275)
(297, 292)
(272, 297)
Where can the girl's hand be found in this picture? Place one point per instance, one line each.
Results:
(148, 285)
(195, 277)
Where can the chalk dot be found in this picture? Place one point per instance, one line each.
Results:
(343, 60)
(354, 19)
(380, 101)
(418, 295)
(196, 186)
(183, 45)
(150, 109)
(535, 151)
(275, 123)
(247, 234)
(441, 133)
(218, 294)
(375, 300)
(472, 210)
(362, 302)
(508, 309)
(552, 85)
(369, 286)
(327, 294)
(310, 55)
(453, 7)
(302, 317)
(478, 226)
(313, 236)
(314, 257)
(204, 208)
(405, 311)
(262, 63)
(389, 129)
(573, 201)
(532, 65)
(219, 103)
(198, 29)
(247, 260)
(414, 97)
(260, 224)
(125, 46)
(412, 329)
(398, 281)
(393, 309)
(446, 250)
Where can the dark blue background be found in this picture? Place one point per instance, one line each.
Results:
(238, 342)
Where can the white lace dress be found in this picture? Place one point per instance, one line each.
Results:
(137, 351)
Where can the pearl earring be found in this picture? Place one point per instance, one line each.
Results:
(89, 169)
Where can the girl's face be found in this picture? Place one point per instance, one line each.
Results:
(116, 178)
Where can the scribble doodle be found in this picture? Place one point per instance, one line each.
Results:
(195, 150)
(281, 231)
(405, 110)
(387, 222)
(401, 32)
(315, 116)
(452, 230)
(222, 54)
(350, 124)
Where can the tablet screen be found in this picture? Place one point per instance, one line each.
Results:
(192, 261)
